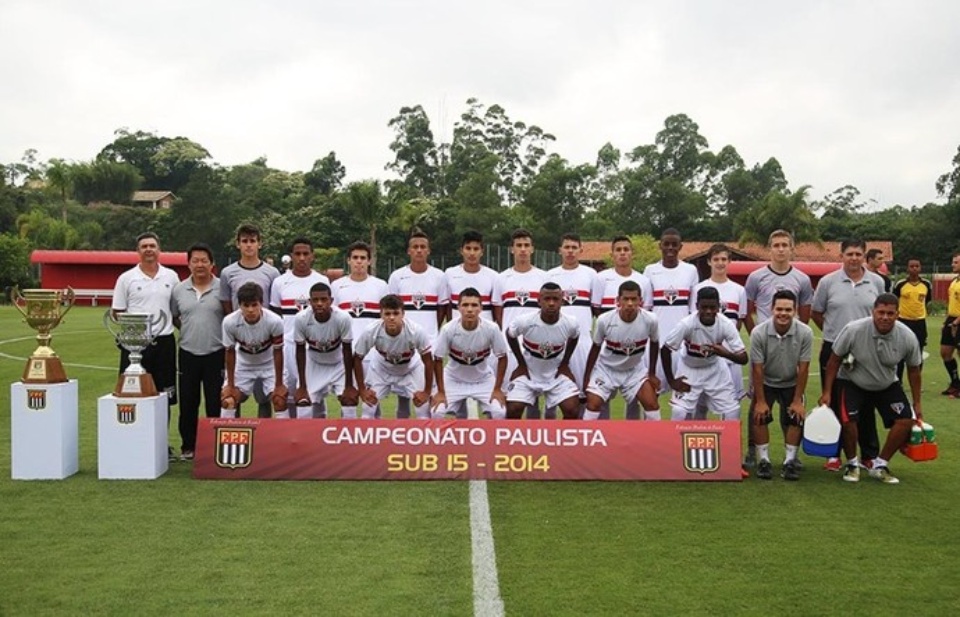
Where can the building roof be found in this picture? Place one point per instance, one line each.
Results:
(122, 258)
(151, 196)
(804, 251)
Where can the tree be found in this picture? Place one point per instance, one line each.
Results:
(948, 185)
(365, 200)
(14, 260)
(326, 176)
(557, 197)
(164, 163)
(103, 180)
(416, 156)
(779, 210)
(60, 179)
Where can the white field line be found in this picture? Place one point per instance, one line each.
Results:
(486, 586)
(31, 338)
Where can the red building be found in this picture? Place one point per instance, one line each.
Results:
(92, 274)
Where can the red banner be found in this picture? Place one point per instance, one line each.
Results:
(271, 449)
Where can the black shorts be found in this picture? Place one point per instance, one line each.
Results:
(919, 329)
(783, 397)
(891, 403)
(949, 337)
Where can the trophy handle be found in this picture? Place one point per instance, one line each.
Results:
(109, 319)
(70, 298)
(16, 298)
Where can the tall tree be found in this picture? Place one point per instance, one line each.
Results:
(326, 175)
(948, 185)
(779, 210)
(60, 179)
(366, 201)
(416, 155)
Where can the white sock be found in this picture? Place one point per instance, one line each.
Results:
(653, 414)
(228, 413)
(283, 415)
(853, 461)
(791, 453)
(763, 451)
(348, 412)
(879, 462)
(591, 415)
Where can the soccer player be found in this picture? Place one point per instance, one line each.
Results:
(516, 292)
(780, 352)
(841, 297)
(249, 268)
(618, 356)
(470, 342)
(147, 288)
(471, 273)
(672, 282)
(358, 295)
(400, 361)
(950, 334)
(327, 334)
(705, 339)
(861, 375)
(253, 343)
(548, 339)
(198, 314)
(914, 294)
(290, 296)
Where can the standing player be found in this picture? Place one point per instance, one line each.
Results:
(618, 357)
(516, 292)
(327, 334)
(914, 294)
(950, 334)
(400, 360)
(470, 343)
(358, 295)
(873, 261)
(543, 366)
(471, 273)
(672, 282)
(705, 339)
(253, 343)
(780, 352)
(290, 296)
(249, 268)
(578, 283)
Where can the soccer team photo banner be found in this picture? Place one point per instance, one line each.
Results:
(272, 449)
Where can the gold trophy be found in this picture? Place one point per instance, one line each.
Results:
(135, 332)
(42, 312)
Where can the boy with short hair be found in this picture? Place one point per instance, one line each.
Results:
(326, 334)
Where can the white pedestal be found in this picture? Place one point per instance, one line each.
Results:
(44, 436)
(132, 437)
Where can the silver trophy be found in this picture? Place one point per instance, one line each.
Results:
(135, 332)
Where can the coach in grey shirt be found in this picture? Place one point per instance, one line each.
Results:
(868, 350)
(198, 313)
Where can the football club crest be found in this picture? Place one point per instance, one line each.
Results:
(701, 452)
(469, 358)
(301, 303)
(569, 296)
(522, 296)
(628, 347)
(36, 399)
(670, 295)
(356, 307)
(234, 447)
(126, 413)
(418, 300)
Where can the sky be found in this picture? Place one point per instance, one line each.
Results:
(864, 93)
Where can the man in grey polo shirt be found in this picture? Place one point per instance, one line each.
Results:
(862, 375)
(198, 314)
(841, 297)
(780, 352)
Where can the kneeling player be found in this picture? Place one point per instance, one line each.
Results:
(402, 363)
(617, 359)
(543, 366)
(326, 333)
(469, 343)
(700, 372)
(780, 352)
(258, 337)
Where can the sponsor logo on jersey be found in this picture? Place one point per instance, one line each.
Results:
(126, 413)
(701, 452)
(234, 447)
(36, 399)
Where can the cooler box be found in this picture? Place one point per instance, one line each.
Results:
(922, 445)
(821, 432)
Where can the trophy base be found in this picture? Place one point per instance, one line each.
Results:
(135, 386)
(44, 370)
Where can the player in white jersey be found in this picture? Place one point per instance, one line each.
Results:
(705, 340)
(323, 337)
(470, 343)
(401, 361)
(578, 284)
(471, 273)
(672, 282)
(516, 292)
(548, 339)
(289, 296)
(733, 306)
(358, 295)
(421, 287)
(253, 342)
(618, 356)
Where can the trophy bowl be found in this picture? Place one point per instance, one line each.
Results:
(134, 332)
(43, 310)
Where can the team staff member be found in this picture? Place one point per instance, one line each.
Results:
(867, 379)
(198, 314)
(873, 261)
(950, 335)
(914, 294)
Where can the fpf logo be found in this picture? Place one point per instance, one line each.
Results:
(701, 452)
(126, 413)
(234, 447)
(36, 399)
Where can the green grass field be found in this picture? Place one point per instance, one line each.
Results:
(180, 546)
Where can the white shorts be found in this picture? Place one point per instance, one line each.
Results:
(458, 391)
(290, 366)
(246, 377)
(406, 385)
(554, 391)
(323, 379)
(605, 382)
(712, 385)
